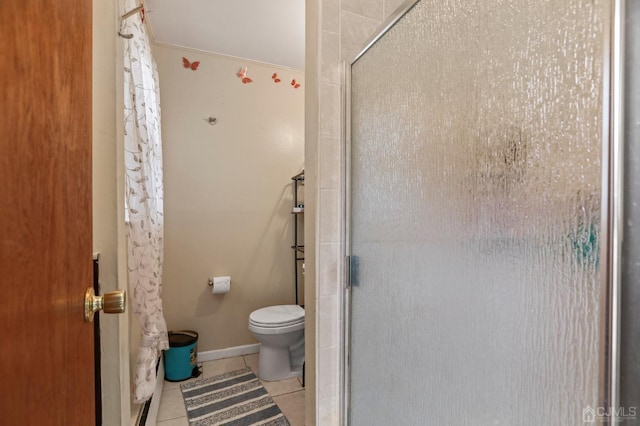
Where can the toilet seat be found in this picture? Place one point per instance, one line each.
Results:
(279, 316)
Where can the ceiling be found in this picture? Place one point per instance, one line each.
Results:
(270, 31)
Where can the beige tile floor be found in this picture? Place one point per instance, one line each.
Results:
(288, 394)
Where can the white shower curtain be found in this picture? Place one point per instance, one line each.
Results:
(144, 198)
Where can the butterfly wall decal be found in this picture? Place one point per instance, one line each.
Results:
(275, 78)
(295, 84)
(242, 75)
(192, 65)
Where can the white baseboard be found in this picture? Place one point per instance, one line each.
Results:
(228, 352)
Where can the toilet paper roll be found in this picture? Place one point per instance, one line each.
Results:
(221, 285)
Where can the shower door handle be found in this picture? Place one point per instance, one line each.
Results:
(113, 302)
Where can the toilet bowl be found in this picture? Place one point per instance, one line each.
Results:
(280, 331)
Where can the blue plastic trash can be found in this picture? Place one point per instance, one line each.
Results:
(180, 359)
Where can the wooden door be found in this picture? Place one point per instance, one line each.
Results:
(46, 349)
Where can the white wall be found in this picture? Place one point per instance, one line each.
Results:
(228, 190)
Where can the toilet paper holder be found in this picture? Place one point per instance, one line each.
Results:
(219, 285)
(212, 280)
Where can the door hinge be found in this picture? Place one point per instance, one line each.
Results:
(351, 266)
(347, 272)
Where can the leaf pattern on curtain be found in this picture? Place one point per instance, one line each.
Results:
(144, 197)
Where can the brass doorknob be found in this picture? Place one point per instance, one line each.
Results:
(113, 302)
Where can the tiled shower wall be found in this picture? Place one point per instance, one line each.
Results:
(339, 32)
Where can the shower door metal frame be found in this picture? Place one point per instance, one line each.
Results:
(612, 206)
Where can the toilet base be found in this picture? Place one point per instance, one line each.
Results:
(275, 364)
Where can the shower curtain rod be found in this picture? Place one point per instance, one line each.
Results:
(132, 12)
(127, 15)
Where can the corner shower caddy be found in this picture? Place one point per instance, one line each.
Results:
(298, 240)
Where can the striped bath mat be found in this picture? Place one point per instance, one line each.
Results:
(236, 398)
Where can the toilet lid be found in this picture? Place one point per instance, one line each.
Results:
(277, 316)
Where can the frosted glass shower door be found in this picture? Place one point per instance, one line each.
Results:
(476, 141)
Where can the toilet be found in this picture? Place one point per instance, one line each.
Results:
(280, 331)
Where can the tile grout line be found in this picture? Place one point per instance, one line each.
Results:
(287, 393)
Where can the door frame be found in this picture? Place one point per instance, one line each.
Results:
(108, 193)
(612, 207)
(612, 210)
